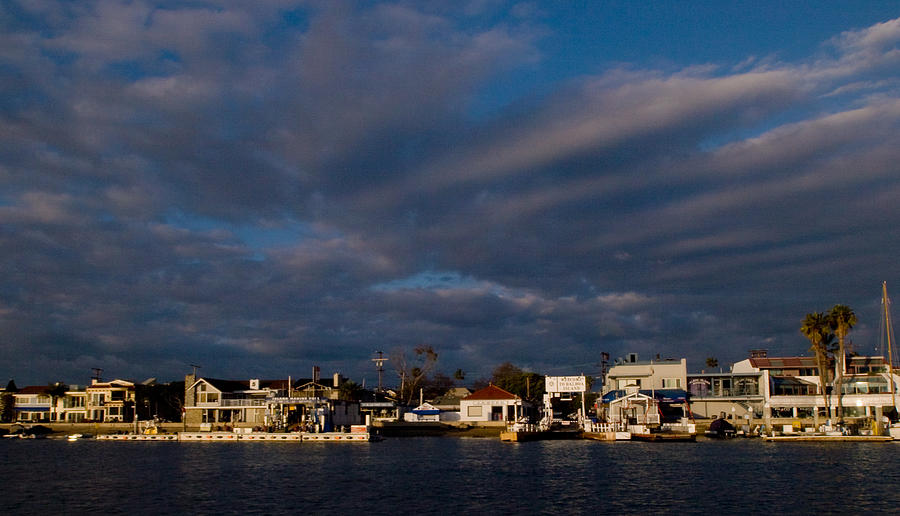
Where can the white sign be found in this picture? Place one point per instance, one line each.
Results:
(565, 383)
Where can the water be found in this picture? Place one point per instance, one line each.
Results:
(447, 475)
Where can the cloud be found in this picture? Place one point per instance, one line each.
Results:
(262, 189)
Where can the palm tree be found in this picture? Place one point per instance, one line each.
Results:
(817, 329)
(842, 319)
(350, 391)
(55, 391)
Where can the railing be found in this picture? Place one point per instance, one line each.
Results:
(232, 403)
(596, 427)
(726, 393)
(523, 427)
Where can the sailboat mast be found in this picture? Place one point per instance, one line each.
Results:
(889, 332)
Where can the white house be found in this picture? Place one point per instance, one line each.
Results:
(647, 374)
(491, 404)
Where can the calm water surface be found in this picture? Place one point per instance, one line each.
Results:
(448, 475)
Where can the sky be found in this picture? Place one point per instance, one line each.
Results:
(262, 187)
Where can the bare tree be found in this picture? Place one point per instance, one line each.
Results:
(413, 369)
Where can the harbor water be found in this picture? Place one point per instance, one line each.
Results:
(440, 475)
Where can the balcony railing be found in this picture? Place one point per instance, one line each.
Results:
(232, 403)
(726, 393)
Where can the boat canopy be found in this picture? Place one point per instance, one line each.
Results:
(661, 395)
(433, 412)
(426, 409)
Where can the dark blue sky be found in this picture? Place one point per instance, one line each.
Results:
(263, 187)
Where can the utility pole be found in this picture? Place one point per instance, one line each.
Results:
(604, 368)
(379, 365)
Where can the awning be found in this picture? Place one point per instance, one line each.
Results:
(790, 380)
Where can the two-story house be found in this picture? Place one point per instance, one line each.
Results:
(109, 402)
(32, 404)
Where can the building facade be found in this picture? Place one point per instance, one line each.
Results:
(491, 404)
(110, 402)
(301, 404)
(646, 375)
(32, 404)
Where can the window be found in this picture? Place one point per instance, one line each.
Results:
(671, 383)
(73, 401)
(625, 382)
(699, 387)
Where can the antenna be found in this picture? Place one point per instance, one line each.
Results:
(195, 370)
(379, 366)
(97, 372)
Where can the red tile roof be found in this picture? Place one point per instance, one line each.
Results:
(491, 392)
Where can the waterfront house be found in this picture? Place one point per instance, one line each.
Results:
(213, 401)
(72, 406)
(491, 405)
(740, 395)
(794, 390)
(662, 379)
(110, 402)
(32, 404)
(303, 404)
(661, 373)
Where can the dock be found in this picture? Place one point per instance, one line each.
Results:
(356, 434)
(828, 438)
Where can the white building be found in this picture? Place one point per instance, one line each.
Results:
(491, 404)
(110, 402)
(646, 375)
(71, 407)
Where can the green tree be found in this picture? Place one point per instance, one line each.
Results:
(842, 319)
(817, 328)
(527, 385)
(7, 407)
(8, 402)
(712, 362)
(459, 375)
